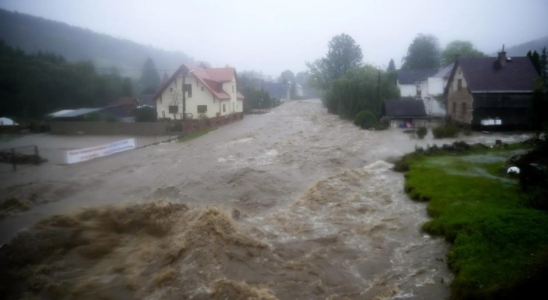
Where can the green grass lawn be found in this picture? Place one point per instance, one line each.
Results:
(500, 246)
(196, 134)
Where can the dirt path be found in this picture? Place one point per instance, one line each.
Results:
(316, 190)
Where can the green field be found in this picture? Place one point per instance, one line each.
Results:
(500, 246)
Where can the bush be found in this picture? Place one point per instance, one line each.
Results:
(365, 119)
(447, 131)
(382, 125)
(145, 114)
(422, 132)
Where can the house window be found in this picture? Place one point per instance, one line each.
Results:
(419, 92)
(454, 110)
(224, 107)
(459, 85)
(202, 89)
(160, 98)
(188, 88)
(173, 109)
(202, 109)
(163, 113)
(171, 89)
(463, 108)
(233, 89)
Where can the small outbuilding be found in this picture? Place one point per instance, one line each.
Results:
(405, 113)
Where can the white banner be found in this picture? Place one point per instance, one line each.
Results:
(80, 155)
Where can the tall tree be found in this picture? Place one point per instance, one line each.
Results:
(165, 77)
(423, 53)
(149, 75)
(319, 76)
(460, 48)
(544, 66)
(535, 59)
(391, 66)
(342, 55)
(127, 89)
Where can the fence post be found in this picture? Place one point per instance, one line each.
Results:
(36, 155)
(13, 159)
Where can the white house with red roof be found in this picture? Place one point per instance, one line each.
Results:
(210, 92)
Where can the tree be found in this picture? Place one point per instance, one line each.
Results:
(391, 66)
(343, 54)
(460, 48)
(127, 89)
(535, 59)
(149, 75)
(423, 53)
(544, 66)
(319, 77)
(165, 78)
(249, 79)
(364, 88)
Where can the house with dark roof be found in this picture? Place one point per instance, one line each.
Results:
(407, 81)
(405, 113)
(207, 92)
(491, 90)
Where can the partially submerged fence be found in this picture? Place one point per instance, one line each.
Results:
(22, 155)
(190, 126)
(109, 128)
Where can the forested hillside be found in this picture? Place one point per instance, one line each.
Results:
(33, 34)
(33, 85)
(522, 49)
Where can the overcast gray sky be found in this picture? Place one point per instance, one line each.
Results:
(272, 36)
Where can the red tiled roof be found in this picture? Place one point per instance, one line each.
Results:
(211, 78)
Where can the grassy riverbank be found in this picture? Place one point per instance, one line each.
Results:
(196, 134)
(500, 246)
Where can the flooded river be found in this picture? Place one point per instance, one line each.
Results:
(296, 203)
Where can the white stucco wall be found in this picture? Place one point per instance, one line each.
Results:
(200, 96)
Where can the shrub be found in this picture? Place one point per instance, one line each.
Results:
(382, 125)
(447, 131)
(145, 114)
(421, 132)
(365, 119)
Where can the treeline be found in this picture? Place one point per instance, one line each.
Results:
(258, 99)
(350, 89)
(361, 88)
(33, 85)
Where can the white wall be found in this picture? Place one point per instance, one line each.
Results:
(200, 96)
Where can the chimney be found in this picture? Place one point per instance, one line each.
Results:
(502, 57)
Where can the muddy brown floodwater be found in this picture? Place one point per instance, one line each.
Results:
(293, 204)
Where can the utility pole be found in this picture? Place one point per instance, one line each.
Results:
(184, 93)
(184, 97)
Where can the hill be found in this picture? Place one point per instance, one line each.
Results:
(522, 49)
(33, 34)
